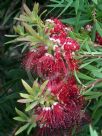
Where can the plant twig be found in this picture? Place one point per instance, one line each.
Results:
(90, 55)
(92, 84)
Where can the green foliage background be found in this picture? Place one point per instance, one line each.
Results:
(77, 13)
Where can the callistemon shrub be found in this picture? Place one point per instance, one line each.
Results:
(54, 105)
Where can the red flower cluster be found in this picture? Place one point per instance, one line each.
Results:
(98, 38)
(65, 110)
(57, 118)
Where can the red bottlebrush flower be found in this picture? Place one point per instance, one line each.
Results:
(51, 67)
(60, 68)
(70, 44)
(59, 28)
(72, 64)
(45, 66)
(69, 93)
(31, 58)
(65, 102)
(55, 85)
(98, 38)
(58, 117)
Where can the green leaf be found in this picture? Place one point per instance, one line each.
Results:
(66, 7)
(36, 8)
(27, 87)
(85, 64)
(19, 119)
(77, 25)
(31, 106)
(31, 31)
(70, 21)
(84, 76)
(96, 107)
(92, 132)
(93, 35)
(30, 128)
(92, 95)
(88, 48)
(77, 78)
(26, 9)
(24, 100)
(91, 68)
(25, 95)
(76, 6)
(21, 114)
(42, 87)
(35, 84)
(98, 28)
(97, 116)
(21, 129)
(36, 87)
(95, 1)
(97, 74)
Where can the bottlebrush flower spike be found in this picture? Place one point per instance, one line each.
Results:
(70, 45)
(31, 58)
(57, 118)
(45, 66)
(98, 38)
(58, 105)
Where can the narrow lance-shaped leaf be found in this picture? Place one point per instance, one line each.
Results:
(30, 128)
(36, 8)
(21, 129)
(27, 87)
(66, 7)
(25, 95)
(20, 113)
(32, 31)
(24, 100)
(92, 132)
(76, 6)
(75, 73)
(27, 9)
(98, 28)
(42, 87)
(95, 1)
(36, 87)
(19, 119)
(31, 106)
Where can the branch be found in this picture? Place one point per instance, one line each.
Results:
(92, 84)
(90, 55)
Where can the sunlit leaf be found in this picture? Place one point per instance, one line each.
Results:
(20, 113)
(21, 129)
(31, 106)
(92, 131)
(27, 87)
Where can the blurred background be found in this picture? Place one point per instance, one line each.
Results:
(76, 13)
